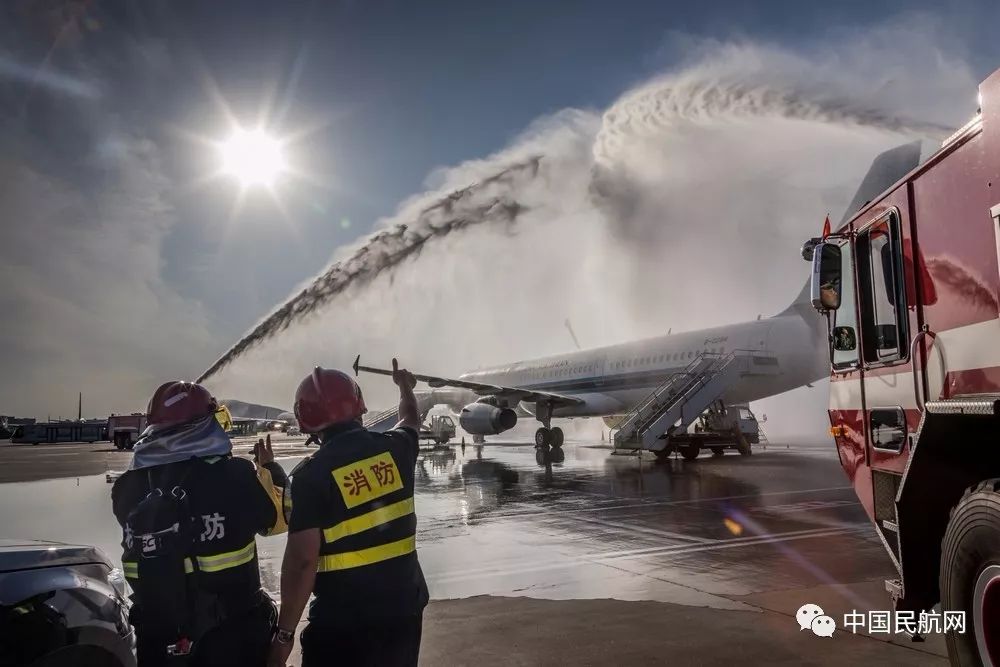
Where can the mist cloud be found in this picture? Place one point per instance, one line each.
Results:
(87, 206)
(680, 206)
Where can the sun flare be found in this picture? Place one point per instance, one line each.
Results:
(252, 157)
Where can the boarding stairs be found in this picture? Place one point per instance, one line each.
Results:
(381, 421)
(678, 402)
(385, 420)
(762, 440)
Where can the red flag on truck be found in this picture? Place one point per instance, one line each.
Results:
(826, 227)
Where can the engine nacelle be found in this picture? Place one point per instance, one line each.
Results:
(486, 419)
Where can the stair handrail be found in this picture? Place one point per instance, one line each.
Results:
(689, 372)
(696, 375)
(713, 370)
(374, 419)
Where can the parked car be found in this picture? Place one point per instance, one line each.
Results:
(62, 604)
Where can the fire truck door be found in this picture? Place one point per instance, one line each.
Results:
(887, 327)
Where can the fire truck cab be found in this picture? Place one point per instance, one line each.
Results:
(910, 284)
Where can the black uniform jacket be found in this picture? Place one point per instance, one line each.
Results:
(358, 491)
(225, 493)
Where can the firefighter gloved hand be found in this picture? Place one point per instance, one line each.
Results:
(262, 451)
(403, 378)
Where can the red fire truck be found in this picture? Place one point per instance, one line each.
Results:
(910, 284)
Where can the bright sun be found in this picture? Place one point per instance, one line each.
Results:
(253, 157)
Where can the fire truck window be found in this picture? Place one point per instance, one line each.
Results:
(845, 317)
(878, 273)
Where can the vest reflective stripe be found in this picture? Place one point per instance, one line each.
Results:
(213, 563)
(224, 561)
(351, 559)
(131, 568)
(368, 520)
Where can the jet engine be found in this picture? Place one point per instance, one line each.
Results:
(486, 419)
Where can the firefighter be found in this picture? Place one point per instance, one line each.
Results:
(351, 536)
(189, 512)
(829, 294)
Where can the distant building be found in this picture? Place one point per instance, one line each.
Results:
(15, 421)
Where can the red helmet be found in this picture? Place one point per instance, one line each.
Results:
(179, 402)
(327, 397)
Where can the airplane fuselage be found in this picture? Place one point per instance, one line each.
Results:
(611, 380)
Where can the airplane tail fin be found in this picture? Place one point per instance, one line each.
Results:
(802, 302)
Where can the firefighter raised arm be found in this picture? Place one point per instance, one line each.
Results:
(352, 532)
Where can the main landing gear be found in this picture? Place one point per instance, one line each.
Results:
(549, 437)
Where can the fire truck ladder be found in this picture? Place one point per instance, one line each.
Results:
(679, 401)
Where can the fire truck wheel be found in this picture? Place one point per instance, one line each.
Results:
(691, 452)
(557, 437)
(970, 575)
(718, 451)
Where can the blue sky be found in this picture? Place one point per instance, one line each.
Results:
(406, 87)
(140, 264)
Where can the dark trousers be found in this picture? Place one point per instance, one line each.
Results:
(391, 643)
(241, 639)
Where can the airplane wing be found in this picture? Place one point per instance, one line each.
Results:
(513, 393)
(482, 389)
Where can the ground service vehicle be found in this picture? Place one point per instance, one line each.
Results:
(441, 429)
(58, 432)
(62, 605)
(124, 430)
(911, 287)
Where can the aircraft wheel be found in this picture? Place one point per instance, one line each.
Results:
(557, 437)
(718, 451)
(970, 576)
(690, 452)
(543, 437)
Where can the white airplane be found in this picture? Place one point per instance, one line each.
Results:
(781, 353)
(610, 381)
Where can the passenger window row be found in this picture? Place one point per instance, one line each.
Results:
(677, 356)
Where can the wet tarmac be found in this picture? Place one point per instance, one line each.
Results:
(730, 533)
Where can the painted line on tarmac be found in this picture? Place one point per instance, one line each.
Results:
(675, 550)
(643, 530)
